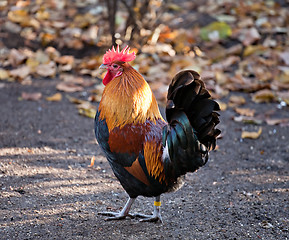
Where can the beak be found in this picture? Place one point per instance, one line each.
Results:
(103, 66)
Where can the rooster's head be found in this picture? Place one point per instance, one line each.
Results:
(113, 61)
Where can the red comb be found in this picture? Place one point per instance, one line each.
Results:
(113, 55)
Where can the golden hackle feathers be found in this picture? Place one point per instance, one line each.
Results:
(153, 159)
(128, 99)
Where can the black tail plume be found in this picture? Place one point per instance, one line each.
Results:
(187, 93)
(192, 118)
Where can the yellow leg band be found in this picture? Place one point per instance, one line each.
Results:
(158, 204)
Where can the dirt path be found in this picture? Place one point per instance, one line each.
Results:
(49, 192)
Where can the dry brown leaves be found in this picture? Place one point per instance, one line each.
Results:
(31, 96)
(54, 98)
(251, 135)
(244, 47)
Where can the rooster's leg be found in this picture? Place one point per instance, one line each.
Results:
(156, 214)
(119, 215)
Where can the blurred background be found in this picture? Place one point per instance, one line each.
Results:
(235, 45)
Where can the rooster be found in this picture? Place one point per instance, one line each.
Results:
(148, 155)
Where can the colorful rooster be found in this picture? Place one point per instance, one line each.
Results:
(148, 155)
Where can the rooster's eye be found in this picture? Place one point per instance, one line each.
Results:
(114, 66)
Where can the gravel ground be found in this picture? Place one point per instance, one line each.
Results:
(49, 192)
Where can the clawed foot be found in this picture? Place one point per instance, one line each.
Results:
(114, 215)
(125, 213)
(120, 216)
(148, 218)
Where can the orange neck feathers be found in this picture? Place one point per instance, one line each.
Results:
(128, 99)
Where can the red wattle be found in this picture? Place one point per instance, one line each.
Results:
(107, 78)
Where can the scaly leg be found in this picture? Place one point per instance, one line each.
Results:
(119, 215)
(156, 214)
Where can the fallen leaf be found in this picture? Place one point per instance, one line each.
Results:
(283, 96)
(87, 112)
(263, 22)
(86, 109)
(216, 91)
(251, 135)
(82, 21)
(59, 24)
(216, 31)
(52, 53)
(16, 57)
(29, 34)
(245, 22)
(87, 82)
(68, 87)
(226, 18)
(66, 59)
(235, 49)
(254, 49)
(69, 78)
(183, 41)
(94, 98)
(21, 16)
(235, 100)
(12, 27)
(92, 63)
(47, 38)
(46, 70)
(42, 57)
(226, 63)
(245, 111)
(249, 36)
(264, 95)
(285, 57)
(91, 34)
(75, 43)
(277, 121)
(216, 53)
(249, 120)
(27, 81)
(18, 16)
(4, 74)
(89, 72)
(75, 100)
(283, 77)
(174, 7)
(42, 14)
(32, 63)
(21, 72)
(277, 85)
(98, 89)
(92, 161)
(261, 72)
(208, 75)
(31, 96)
(221, 78)
(54, 98)
(32, 22)
(65, 68)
